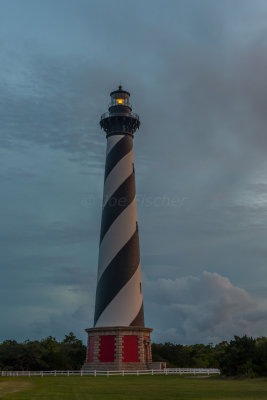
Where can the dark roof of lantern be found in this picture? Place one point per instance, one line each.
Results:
(120, 90)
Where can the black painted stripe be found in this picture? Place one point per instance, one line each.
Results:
(118, 202)
(117, 274)
(139, 319)
(118, 151)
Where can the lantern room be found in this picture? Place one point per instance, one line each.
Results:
(120, 98)
(120, 119)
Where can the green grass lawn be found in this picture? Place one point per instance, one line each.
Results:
(131, 388)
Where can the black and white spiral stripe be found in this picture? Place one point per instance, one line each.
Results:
(119, 299)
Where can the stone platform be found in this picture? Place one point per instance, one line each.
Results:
(118, 348)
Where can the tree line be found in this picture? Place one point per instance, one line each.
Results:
(44, 355)
(241, 356)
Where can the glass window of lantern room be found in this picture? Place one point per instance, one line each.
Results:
(119, 98)
(113, 100)
(126, 99)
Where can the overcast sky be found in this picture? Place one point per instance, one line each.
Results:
(196, 70)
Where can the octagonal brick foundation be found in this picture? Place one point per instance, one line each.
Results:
(118, 348)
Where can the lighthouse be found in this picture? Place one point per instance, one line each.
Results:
(119, 339)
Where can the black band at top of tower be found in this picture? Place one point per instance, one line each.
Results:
(120, 120)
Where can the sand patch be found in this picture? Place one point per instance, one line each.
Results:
(12, 386)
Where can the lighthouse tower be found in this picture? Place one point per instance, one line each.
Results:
(119, 339)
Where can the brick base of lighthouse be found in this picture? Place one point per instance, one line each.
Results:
(118, 348)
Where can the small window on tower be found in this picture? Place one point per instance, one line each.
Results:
(140, 287)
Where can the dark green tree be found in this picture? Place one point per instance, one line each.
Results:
(48, 354)
(239, 357)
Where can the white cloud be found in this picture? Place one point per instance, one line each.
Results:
(206, 308)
